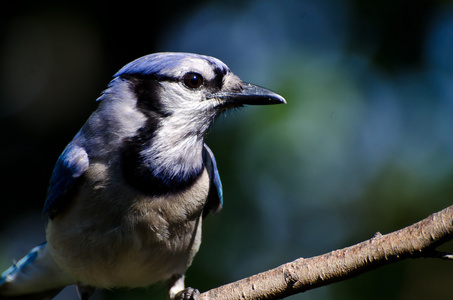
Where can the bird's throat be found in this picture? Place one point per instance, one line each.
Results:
(162, 167)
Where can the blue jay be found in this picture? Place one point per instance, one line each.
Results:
(128, 194)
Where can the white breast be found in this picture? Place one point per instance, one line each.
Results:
(110, 237)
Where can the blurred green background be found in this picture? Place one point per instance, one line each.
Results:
(364, 144)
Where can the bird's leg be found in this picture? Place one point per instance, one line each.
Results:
(177, 291)
(84, 291)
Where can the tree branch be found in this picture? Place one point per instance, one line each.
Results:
(415, 241)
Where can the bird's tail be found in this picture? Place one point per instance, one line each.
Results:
(36, 276)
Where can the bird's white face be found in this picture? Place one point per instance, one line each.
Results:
(179, 104)
(188, 90)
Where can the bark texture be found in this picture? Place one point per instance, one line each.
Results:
(415, 241)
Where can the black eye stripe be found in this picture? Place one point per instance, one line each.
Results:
(147, 92)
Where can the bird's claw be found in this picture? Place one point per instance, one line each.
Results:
(188, 294)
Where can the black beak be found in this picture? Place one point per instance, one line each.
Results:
(250, 94)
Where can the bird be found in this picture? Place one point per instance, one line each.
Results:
(128, 194)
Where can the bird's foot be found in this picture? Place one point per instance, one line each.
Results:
(188, 294)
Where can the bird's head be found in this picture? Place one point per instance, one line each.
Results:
(191, 87)
(164, 104)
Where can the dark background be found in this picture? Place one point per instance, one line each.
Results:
(364, 144)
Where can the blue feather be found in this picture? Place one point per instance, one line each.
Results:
(36, 276)
(163, 64)
(21, 265)
(71, 164)
(215, 197)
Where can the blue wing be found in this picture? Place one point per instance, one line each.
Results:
(215, 196)
(71, 164)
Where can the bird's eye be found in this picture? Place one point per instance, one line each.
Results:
(193, 80)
